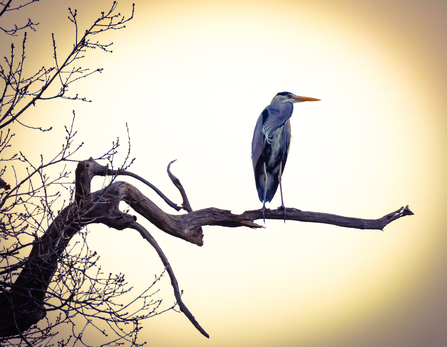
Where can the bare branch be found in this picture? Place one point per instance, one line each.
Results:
(326, 218)
(20, 93)
(4, 8)
(185, 204)
(148, 237)
(141, 179)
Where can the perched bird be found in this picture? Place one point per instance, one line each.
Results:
(270, 146)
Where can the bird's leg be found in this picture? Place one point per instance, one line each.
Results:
(280, 189)
(265, 192)
(263, 211)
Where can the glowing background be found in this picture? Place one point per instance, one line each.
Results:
(191, 77)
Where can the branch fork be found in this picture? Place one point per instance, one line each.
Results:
(102, 207)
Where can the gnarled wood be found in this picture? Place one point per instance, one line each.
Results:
(22, 305)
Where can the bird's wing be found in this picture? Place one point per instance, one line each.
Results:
(285, 142)
(257, 144)
(257, 148)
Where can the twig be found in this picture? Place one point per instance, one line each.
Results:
(185, 204)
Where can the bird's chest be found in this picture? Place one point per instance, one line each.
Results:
(274, 148)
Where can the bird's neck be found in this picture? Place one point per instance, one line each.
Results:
(277, 106)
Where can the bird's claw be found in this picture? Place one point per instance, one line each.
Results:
(282, 207)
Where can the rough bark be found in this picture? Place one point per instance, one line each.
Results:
(22, 305)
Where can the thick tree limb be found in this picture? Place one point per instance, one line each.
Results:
(22, 306)
(326, 218)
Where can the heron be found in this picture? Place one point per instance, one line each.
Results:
(270, 145)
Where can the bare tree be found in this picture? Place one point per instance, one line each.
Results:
(65, 281)
(20, 92)
(43, 268)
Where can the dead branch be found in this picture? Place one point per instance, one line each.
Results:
(326, 218)
(185, 204)
(146, 235)
(141, 179)
(21, 306)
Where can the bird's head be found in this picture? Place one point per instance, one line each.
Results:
(290, 97)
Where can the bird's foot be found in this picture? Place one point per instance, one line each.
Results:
(282, 207)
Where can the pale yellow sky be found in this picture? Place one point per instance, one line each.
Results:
(191, 77)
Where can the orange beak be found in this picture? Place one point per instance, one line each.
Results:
(304, 98)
